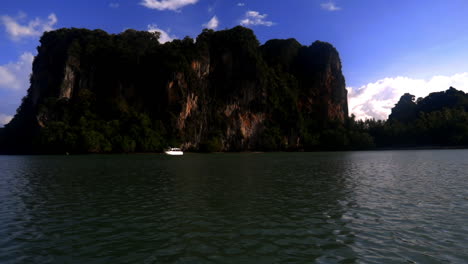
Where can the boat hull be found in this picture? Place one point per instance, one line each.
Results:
(174, 153)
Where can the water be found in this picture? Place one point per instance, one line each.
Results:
(350, 207)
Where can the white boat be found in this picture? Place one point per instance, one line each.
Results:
(174, 152)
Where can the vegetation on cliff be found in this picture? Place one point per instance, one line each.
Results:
(97, 92)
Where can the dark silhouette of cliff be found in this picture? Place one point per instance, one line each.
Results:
(97, 92)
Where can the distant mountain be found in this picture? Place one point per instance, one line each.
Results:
(94, 92)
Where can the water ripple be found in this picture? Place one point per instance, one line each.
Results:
(353, 207)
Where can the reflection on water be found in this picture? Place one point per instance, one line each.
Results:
(363, 207)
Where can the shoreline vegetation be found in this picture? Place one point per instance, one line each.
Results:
(438, 121)
(403, 148)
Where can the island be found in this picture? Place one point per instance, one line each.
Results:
(95, 92)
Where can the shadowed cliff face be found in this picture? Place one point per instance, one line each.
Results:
(224, 92)
(317, 68)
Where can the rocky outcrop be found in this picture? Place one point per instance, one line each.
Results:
(189, 106)
(69, 78)
(222, 89)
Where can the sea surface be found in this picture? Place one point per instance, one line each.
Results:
(336, 207)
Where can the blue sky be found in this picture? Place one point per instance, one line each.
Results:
(386, 47)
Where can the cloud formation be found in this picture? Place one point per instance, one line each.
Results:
(33, 28)
(5, 119)
(375, 100)
(164, 37)
(240, 4)
(254, 18)
(330, 6)
(15, 75)
(212, 24)
(14, 82)
(174, 5)
(114, 5)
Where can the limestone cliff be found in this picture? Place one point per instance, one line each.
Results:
(222, 92)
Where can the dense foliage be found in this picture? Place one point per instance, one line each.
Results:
(439, 119)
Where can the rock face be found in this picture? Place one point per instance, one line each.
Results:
(224, 91)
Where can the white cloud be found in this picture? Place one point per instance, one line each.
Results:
(33, 28)
(330, 6)
(114, 5)
(164, 37)
(174, 5)
(14, 82)
(15, 75)
(240, 4)
(5, 119)
(254, 18)
(375, 100)
(212, 24)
